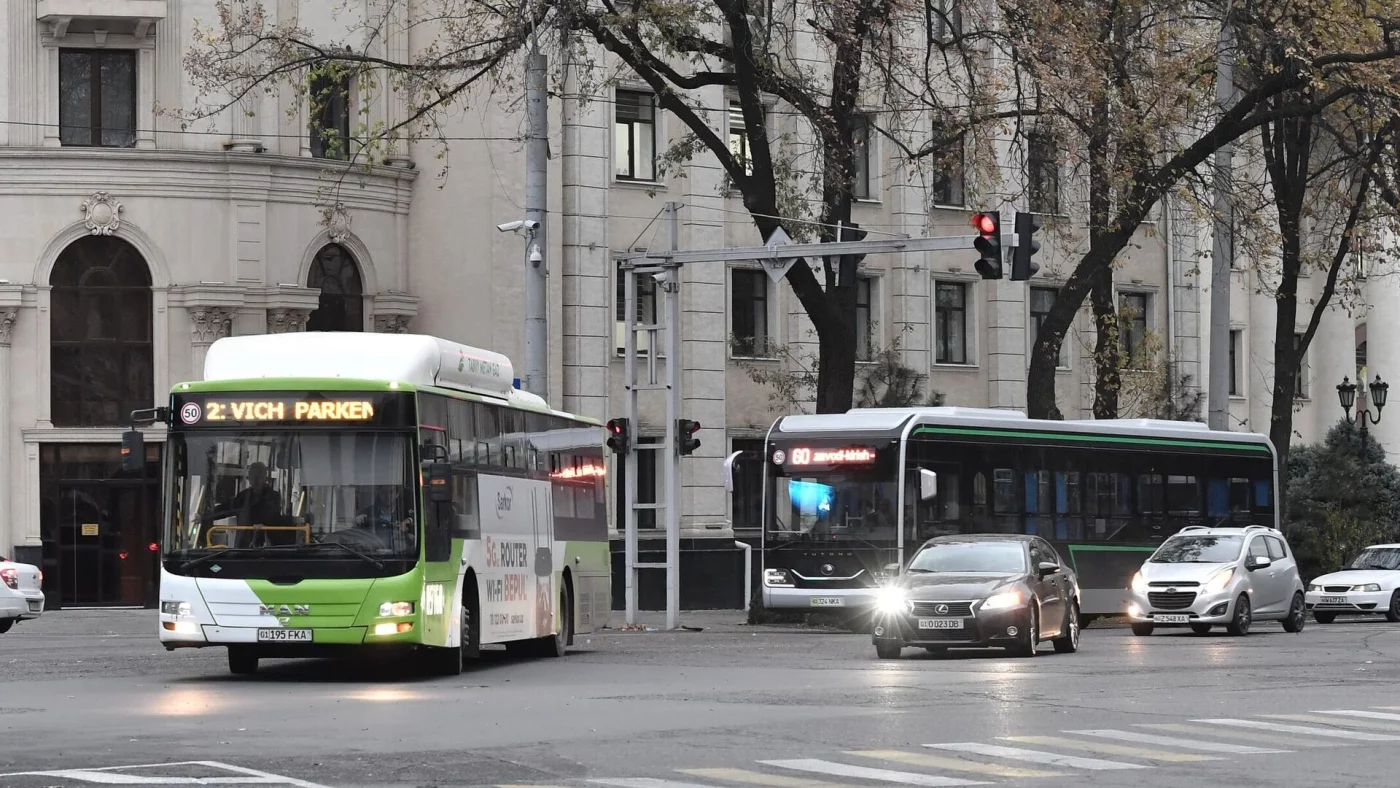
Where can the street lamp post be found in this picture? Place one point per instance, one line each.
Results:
(1346, 392)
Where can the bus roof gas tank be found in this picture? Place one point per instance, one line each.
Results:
(414, 359)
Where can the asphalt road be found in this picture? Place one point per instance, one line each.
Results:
(86, 696)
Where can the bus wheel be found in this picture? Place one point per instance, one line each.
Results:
(242, 661)
(557, 645)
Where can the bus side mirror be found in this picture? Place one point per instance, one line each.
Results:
(437, 477)
(133, 450)
(928, 484)
(729, 471)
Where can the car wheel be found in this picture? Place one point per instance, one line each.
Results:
(1324, 618)
(1244, 616)
(1201, 629)
(1393, 614)
(888, 650)
(1298, 615)
(1025, 647)
(5, 624)
(1069, 643)
(1142, 630)
(242, 661)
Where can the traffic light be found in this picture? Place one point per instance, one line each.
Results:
(619, 437)
(988, 242)
(685, 435)
(1022, 268)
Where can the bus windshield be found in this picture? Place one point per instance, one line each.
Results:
(292, 494)
(835, 507)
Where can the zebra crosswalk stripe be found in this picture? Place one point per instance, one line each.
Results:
(1104, 748)
(1174, 741)
(1341, 722)
(1270, 741)
(758, 778)
(1370, 715)
(1036, 756)
(952, 764)
(867, 773)
(1308, 730)
(646, 782)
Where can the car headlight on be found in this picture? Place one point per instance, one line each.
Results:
(893, 601)
(776, 577)
(389, 609)
(173, 608)
(1367, 587)
(1003, 600)
(1139, 583)
(1220, 580)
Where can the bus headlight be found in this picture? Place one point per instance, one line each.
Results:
(173, 608)
(893, 601)
(777, 577)
(390, 609)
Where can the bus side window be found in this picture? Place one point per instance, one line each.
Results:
(467, 526)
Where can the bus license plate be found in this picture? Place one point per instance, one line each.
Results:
(828, 601)
(1172, 618)
(284, 635)
(1334, 600)
(940, 623)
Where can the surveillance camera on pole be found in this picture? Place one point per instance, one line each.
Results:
(528, 225)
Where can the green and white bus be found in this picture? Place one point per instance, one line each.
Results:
(327, 492)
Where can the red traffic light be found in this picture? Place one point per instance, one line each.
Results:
(690, 427)
(615, 427)
(985, 223)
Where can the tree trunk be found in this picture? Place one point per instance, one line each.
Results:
(1106, 362)
(836, 365)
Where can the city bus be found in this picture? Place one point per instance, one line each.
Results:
(1105, 493)
(332, 493)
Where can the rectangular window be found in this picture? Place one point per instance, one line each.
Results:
(330, 117)
(739, 137)
(1132, 327)
(948, 22)
(97, 97)
(635, 136)
(646, 309)
(1042, 300)
(1043, 173)
(747, 501)
(1236, 337)
(1300, 383)
(865, 318)
(950, 321)
(749, 312)
(863, 139)
(949, 178)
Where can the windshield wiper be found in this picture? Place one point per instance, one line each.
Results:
(347, 548)
(203, 559)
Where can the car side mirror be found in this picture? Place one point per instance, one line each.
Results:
(1258, 562)
(928, 484)
(1048, 568)
(437, 477)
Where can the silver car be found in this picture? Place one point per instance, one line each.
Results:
(1203, 577)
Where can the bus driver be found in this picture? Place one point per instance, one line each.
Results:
(256, 505)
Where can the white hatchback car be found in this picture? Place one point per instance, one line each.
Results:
(1369, 584)
(1202, 577)
(21, 594)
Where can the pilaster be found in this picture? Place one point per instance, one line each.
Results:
(390, 313)
(210, 309)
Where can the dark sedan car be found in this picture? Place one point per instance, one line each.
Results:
(984, 590)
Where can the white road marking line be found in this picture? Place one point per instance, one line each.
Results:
(758, 778)
(1343, 722)
(112, 775)
(1308, 730)
(866, 773)
(1104, 748)
(647, 782)
(1036, 756)
(1270, 741)
(1173, 741)
(952, 764)
(1370, 715)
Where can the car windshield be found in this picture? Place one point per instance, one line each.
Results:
(1198, 550)
(1384, 558)
(292, 494)
(836, 508)
(999, 558)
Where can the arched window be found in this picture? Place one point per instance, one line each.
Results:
(342, 306)
(100, 314)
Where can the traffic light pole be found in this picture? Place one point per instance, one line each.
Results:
(665, 269)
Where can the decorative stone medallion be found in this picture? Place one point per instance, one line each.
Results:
(102, 213)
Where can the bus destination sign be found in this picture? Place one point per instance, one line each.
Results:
(225, 409)
(799, 456)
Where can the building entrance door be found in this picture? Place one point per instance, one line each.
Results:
(100, 525)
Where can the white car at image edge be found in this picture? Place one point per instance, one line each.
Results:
(21, 594)
(1370, 584)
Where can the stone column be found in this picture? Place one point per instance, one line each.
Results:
(207, 325)
(282, 320)
(391, 324)
(390, 313)
(23, 76)
(20, 535)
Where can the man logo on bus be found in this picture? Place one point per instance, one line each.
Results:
(190, 413)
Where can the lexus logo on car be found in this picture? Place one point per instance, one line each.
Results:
(941, 610)
(828, 569)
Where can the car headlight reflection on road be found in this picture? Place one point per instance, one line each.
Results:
(1139, 583)
(893, 601)
(1367, 587)
(1221, 579)
(1002, 601)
